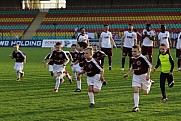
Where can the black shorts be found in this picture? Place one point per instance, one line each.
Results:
(147, 50)
(127, 51)
(107, 51)
(178, 53)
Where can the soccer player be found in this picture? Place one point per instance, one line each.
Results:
(141, 77)
(148, 36)
(83, 38)
(94, 73)
(80, 63)
(74, 54)
(166, 62)
(20, 61)
(128, 40)
(106, 43)
(99, 55)
(60, 59)
(164, 37)
(178, 51)
(50, 62)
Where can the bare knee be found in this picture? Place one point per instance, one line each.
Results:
(145, 92)
(96, 90)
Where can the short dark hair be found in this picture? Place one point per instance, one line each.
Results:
(137, 47)
(148, 25)
(163, 45)
(16, 44)
(73, 45)
(82, 44)
(58, 44)
(106, 25)
(130, 24)
(162, 26)
(82, 28)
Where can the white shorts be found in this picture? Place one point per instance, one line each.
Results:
(94, 81)
(140, 81)
(18, 66)
(50, 68)
(58, 68)
(78, 68)
(75, 67)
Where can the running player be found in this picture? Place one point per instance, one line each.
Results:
(20, 61)
(128, 40)
(94, 73)
(166, 62)
(106, 43)
(60, 59)
(141, 77)
(148, 36)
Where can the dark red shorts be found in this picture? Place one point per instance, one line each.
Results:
(178, 53)
(127, 51)
(147, 50)
(107, 51)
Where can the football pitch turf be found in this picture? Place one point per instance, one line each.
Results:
(32, 98)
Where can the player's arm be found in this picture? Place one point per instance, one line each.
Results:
(144, 34)
(172, 64)
(128, 73)
(113, 42)
(24, 56)
(100, 41)
(81, 72)
(76, 62)
(148, 73)
(170, 42)
(102, 75)
(66, 59)
(158, 64)
(122, 41)
(135, 40)
(11, 56)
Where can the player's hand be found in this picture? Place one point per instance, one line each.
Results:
(171, 73)
(154, 70)
(71, 64)
(102, 78)
(147, 77)
(125, 76)
(79, 73)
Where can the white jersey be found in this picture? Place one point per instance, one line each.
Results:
(146, 40)
(178, 46)
(106, 39)
(82, 38)
(163, 37)
(129, 38)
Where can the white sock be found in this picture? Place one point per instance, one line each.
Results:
(75, 75)
(91, 97)
(18, 74)
(57, 82)
(68, 76)
(136, 99)
(79, 84)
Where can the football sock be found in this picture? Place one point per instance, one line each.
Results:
(57, 82)
(75, 75)
(123, 62)
(179, 63)
(79, 84)
(136, 99)
(130, 62)
(110, 60)
(18, 74)
(91, 97)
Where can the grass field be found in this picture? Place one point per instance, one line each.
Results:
(32, 99)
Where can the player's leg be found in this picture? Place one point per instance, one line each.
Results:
(110, 62)
(78, 89)
(74, 71)
(68, 76)
(51, 70)
(91, 96)
(124, 54)
(170, 81)
(136, 99)
(19, 72)
(150, 53)
(130, 57)
(59, 80)
(163, 77)
(178, 55)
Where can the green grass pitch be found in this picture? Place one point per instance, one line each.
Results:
(32, 98)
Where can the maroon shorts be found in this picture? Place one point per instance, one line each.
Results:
(107, 51)
(127, 51)
(146, 50)
(178, 53)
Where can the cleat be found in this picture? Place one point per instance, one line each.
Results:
(92, 105)
(77, 90)
(135, 109)
(51, 73)
(164, 100)
(171, 84)
(70, 80)
(104, 82)
(110, 68)
(22, 74)
(122, 69)
(55, 90)
(152, 82)
(179, 69)
(18, 79)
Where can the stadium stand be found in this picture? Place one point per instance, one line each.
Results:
(118, 18)
(13, 23)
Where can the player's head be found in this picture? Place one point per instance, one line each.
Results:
(73, 47)
(163, 28)
(58, 46)
(16, 47)
(136, 50)
(80, 46)
(88, 52)
(106, 27)
(95, 47)
(82, 30)
(148, 27)
(130, 27)
(163, 48)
